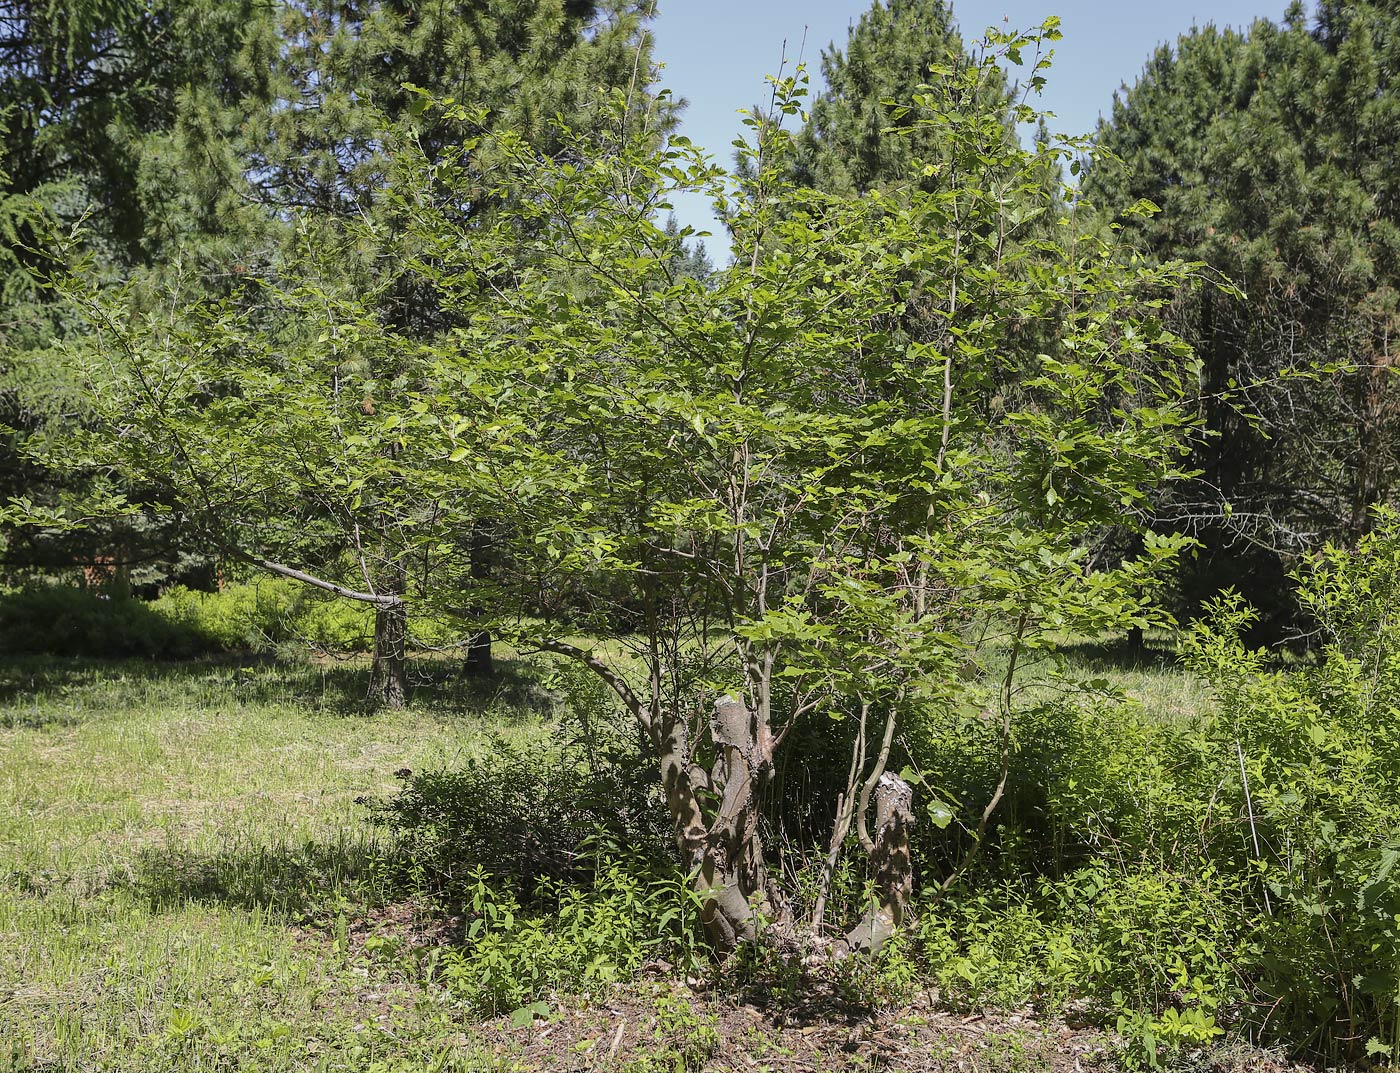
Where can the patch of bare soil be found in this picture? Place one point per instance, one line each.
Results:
(668, 1027)
(628, 1032)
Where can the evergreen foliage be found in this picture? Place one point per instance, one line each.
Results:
(291, 119)
(382, 297)
(847, 145)
(88, 85)
(1273, 157)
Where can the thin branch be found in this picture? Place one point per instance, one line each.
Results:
(603, 671)
(381, 601)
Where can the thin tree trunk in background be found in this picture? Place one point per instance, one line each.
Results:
(388, 675)
(121, 577)
(1137, 638)
(1371, 455)
(479, 662)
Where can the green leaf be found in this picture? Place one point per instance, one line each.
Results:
(939, 813)
(525, 1015)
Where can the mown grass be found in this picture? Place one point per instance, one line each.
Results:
(1150, 676)
(182, 858)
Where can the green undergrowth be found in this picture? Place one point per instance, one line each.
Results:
(234, 864)
(1186, 853)
(264, 615)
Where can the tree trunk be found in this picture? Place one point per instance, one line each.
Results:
(891, 865)
(121, 579)
(479, 662)
(388, 673)
(715, 816)
(1371, 456)
(725, 853)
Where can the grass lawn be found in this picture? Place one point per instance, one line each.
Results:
(182, 860)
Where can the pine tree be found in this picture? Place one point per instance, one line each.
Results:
(356, 74)
(896, 46)
(1273, 158)
(84, 83)
(302, 157)
(261, 130)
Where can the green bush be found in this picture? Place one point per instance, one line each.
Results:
(1238, 872)
(531, 813)
(1306, 762)
(267, 614)
(1137, 950)
(1086, 773)
(555, 850)
(62, 620)
(270, 613)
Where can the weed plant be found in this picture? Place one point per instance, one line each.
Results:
(592, 937)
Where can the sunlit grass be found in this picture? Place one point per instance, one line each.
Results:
(178, 851)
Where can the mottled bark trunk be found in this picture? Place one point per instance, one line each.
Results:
(724, 853)
(890, 864)
(388, 675)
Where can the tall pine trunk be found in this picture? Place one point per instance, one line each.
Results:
(1369, 472)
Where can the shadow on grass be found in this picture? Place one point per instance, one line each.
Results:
(52, 691)
(295, 881)
(43, 691)
(1120, 655)
(15, 1057)
(436, 686)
